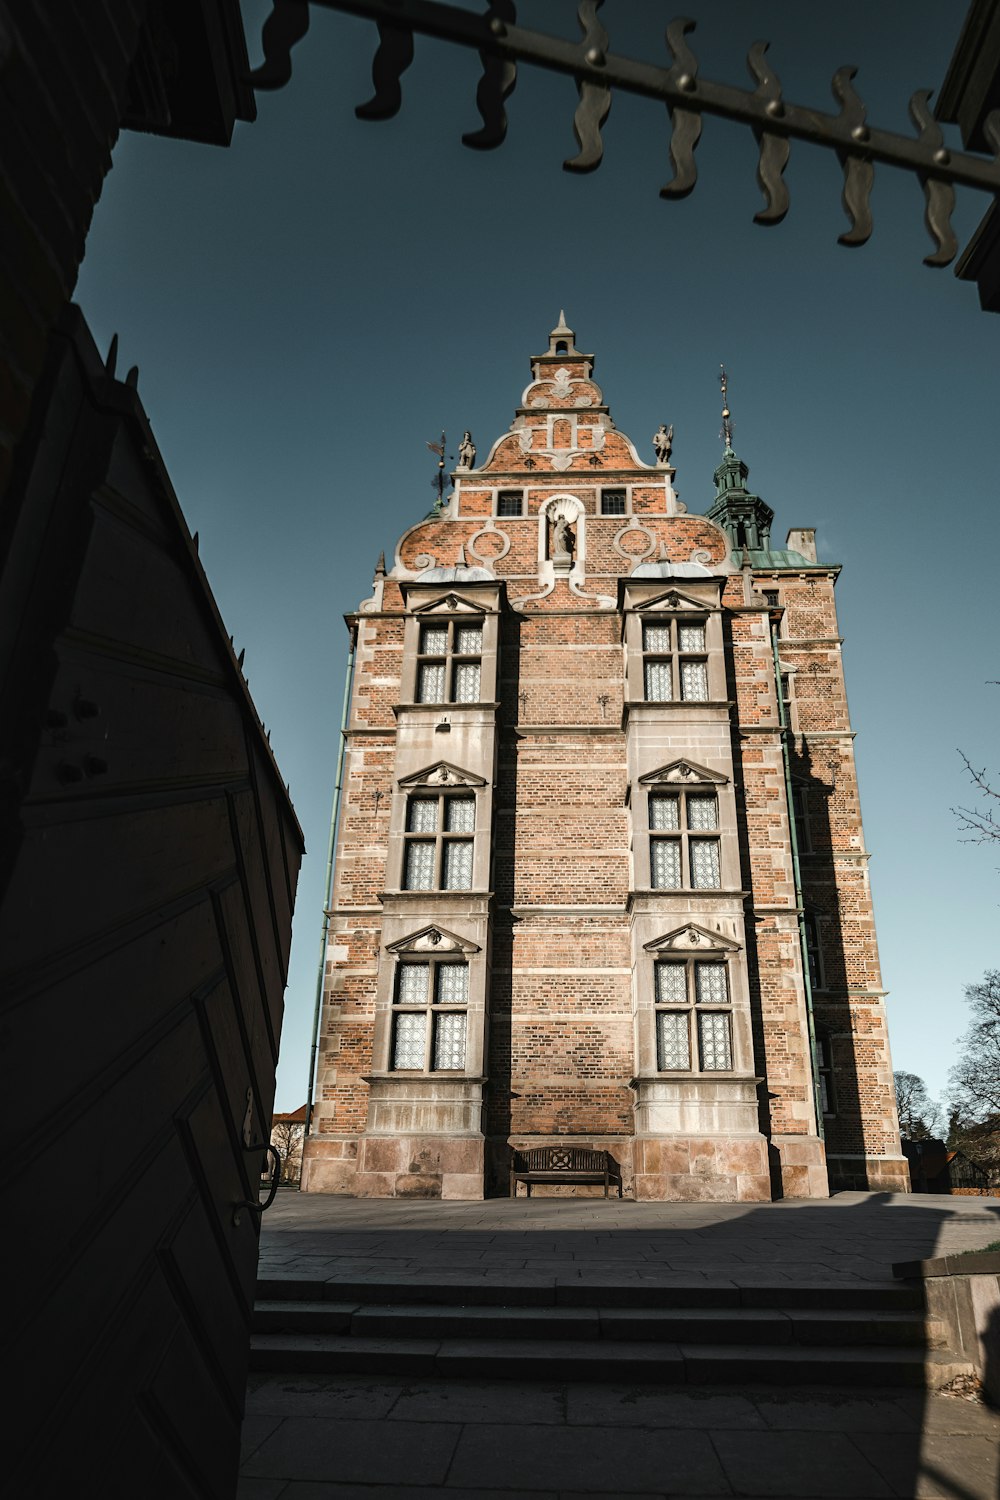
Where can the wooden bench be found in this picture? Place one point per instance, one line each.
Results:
(558, 1164)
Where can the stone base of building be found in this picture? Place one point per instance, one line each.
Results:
(375, 1166)
(798, 1167)
(695, 1169)
(869, 1174)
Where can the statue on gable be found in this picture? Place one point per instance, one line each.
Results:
(466, 451)
(663, 442)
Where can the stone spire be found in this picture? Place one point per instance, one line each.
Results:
(562, 339)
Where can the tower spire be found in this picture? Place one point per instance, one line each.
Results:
(727, 425)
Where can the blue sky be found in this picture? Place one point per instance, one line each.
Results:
(310, 307)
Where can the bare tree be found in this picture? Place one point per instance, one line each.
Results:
(919, 1116)
(286, 1138)
(974, 1081)
(980, 825)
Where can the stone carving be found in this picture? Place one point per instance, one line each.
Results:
(663, 442)
(563, 540)
(562, 387)
(467, 451)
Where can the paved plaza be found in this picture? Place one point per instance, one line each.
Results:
(342, 1437)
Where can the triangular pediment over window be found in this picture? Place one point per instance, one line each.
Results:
(432, 940)
(450, 604)
(683, 773)
(673, 599)
(443, 774)
(692, 939)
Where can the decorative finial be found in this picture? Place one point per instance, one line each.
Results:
(727, 426)
(380, 566)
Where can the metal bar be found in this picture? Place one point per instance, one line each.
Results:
(517, 44)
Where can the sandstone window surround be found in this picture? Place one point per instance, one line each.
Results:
(674, 652)
(693, 1012)
(614, 502)
(431, 1007)
(439, 841)
(449, 647)
(510, 503)
(674, 661)
(684, 840)
(438, 834)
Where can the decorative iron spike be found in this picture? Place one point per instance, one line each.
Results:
(685, 123)
(774, 149)
(595, 98)
(239, 659)
(112, 359)
(286, 25)
(391, 60)
(859, 171)
(194, 541)
(496, 85)
(939, 195)
(132, 378)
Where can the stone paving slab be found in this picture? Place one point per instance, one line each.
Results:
(427, 1439)
(852, 1237)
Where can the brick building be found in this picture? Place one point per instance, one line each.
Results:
(600, 875)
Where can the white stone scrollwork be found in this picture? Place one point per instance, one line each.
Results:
(635, 557)
(490, 529)
(701, 555)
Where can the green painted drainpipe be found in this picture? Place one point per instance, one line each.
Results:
(328, 889)
(797, 876)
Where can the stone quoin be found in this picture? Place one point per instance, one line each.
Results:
(600, 876)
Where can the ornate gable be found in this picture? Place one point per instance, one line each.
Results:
(432, 940)
(443, 774)
(692, 939)
(684, 773)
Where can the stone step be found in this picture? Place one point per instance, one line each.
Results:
(706, 1325)
(587, 1291)
(608, 1360)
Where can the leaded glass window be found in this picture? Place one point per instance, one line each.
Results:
(694, 681)
(682, 990)
(466, 682)
(444, 862)
(458, 865)
(673, 1048)
(664, 813)
(430, 682)
(452, 984)
(429, 1022)
(449, 1041)
(656, 637)
(449, 666)
(419, 871)
(710, 984)
(409, 1032)
(705, 874)
(671, 984)
(460, 814)
(684, 863)
(665, 862)
(714, 1042)
(658, 686)
(702, 811)
(422, 815)
(433, 640)
(690, 637)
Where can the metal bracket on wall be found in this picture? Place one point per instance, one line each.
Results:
(775, 121)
